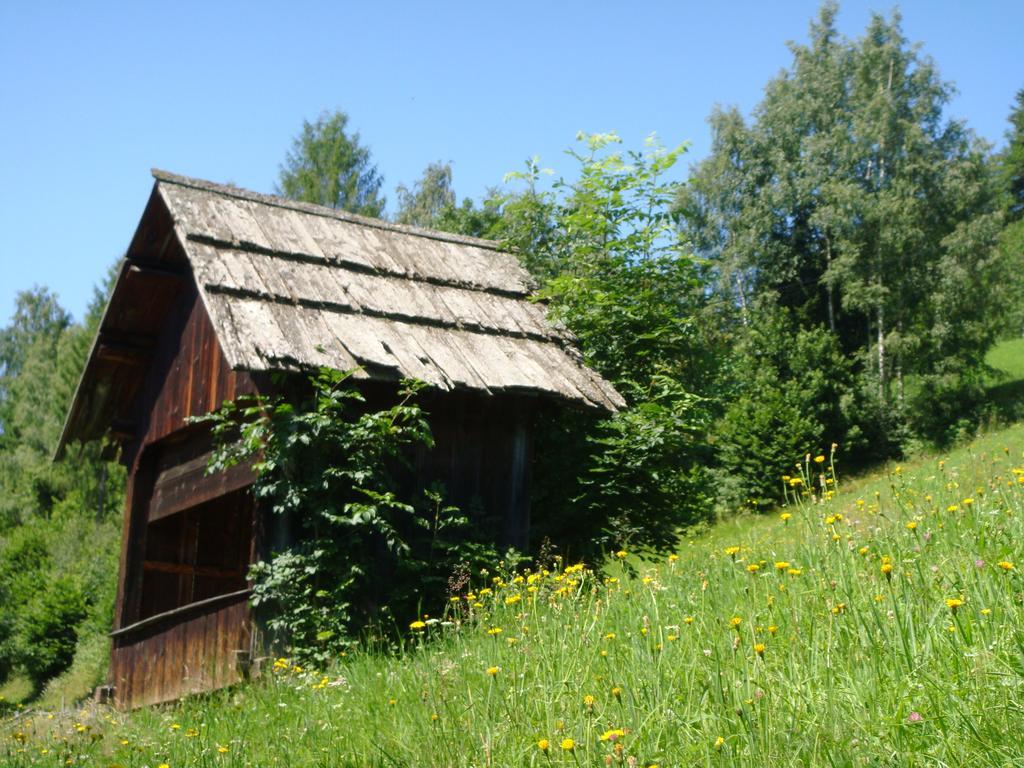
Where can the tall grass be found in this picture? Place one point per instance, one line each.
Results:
(882, 626)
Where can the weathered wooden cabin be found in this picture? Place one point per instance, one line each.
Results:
(220, 288)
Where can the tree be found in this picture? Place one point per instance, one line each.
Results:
(850, 201)
(614, 271)
(422, 205)
(38, 319)
(327, 167)
(1011, 160)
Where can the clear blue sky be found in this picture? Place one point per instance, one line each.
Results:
(95, 94)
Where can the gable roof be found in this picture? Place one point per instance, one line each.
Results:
(291, 286)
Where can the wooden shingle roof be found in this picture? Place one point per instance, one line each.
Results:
(291, 286)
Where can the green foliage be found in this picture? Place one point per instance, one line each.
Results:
(59, 523)
(849, 200)
(38, 321)
(49, 629)
(430, 196)
(328, 167)
(615, 273)
(369, 550)
(1011, 160)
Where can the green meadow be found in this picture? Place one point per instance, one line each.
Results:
(874, 623)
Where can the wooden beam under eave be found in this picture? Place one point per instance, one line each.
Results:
(123, 354)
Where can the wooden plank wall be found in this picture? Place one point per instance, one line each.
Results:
(482, 454)
(182, 653)
(188, 377)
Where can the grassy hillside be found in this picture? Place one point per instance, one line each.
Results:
(883, 626)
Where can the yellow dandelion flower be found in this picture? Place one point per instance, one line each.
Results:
(612, 734)
(794, 572)
(622, 555)
(753, 568)
(568, 745)
(772, 629)
(735, 621)
(986, 611)
(785, 516)
(492, 671)
(953, 603)
(589, 701)
(495, 631)
(609, 636)
(418, 625)
(672, 558)
(688, 620)
(1006, 565)
(543, 745)
(819, 459)
(732, 551)
(719, 742)
(617, 692)
(759, 649)
(862, 551)
(512, 599)
(912, 525)
(781, 565)
(223, 749)
(967, 502)
(886, 568)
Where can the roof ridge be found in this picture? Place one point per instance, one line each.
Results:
(322, 210)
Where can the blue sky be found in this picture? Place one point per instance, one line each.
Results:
(93, 97)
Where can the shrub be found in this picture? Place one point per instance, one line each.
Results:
(49, 629)
(367, 553)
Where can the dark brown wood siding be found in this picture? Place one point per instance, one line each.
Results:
(197, 649)
(187, 651)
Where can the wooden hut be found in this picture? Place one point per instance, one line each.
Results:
(220, 288)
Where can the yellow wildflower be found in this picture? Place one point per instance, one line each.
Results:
(1006, 565)
(492, 671)
(732, 551)
(568, 745)
(418, 625)
(785, 516)
(781, 565)
(622, 555)
(543, 745)
(753, 568)
(719, 742)
(953, 603)
(819, 459)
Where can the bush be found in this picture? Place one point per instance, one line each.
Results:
(49, 630)
(367, 555)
